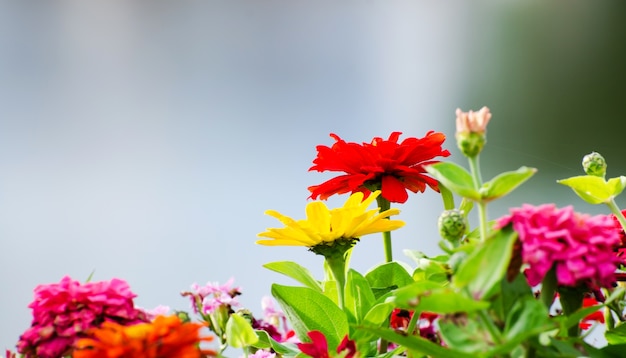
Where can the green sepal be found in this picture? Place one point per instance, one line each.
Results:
(295, 271)
(504, 183)
(595, 190)
(239, 332)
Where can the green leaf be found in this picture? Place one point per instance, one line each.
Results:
(309, 310)
(455, 178)
(511, 293)
(295, 271)
(375, 317)
(487, 264)
(504, 183)
(388, 275)
(267, 342)
(239, 332)
(527, 318)
(467, 336)
(428, 296)
(616, 335)
(447, 197)
(359, 297)
(595, 190)
(416, 343)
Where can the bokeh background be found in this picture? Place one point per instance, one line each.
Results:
(144, 139)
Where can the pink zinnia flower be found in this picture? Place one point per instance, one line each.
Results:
(64, 311)
(579, 246)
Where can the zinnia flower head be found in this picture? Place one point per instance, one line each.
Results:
(164, 337)
(471, 130)
(384, 165)
(472, 122)
(326, 229)
(579, 246)
(64, 311)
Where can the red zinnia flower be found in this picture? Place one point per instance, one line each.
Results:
(382, 164)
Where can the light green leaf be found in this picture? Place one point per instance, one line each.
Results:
(239, 332)
(504, 183)
(295, 271)
(487, 264)
(309, 310)
(455, 178)
(593, 189)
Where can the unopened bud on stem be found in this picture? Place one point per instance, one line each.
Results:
(594, 164)
(471, 128)
(452, 226)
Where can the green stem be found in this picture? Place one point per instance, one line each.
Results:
(482, 206)
(413, 322)
(617, 212)
(384, 204)
(571, 301)
(491, 327)
(337, 265)
(548, 288)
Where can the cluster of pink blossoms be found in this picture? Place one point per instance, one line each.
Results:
(579, 246)
(208, 298)
(64, 311)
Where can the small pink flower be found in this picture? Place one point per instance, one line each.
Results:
(472, 122)
(63, 311)
(211, 296)
(579, 246)
(262, 354)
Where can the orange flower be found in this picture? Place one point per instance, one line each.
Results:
(164, 337)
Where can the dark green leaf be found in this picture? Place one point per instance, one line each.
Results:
(267, 342)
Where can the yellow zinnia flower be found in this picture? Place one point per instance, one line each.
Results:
(330, 226)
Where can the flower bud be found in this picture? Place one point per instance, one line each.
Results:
(471, 128)
(452, 226)
(594, 164)
(183, 316)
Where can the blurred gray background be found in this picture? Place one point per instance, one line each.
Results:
(144, 139)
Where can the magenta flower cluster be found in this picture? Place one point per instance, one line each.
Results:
(63, 311)
(579, 246)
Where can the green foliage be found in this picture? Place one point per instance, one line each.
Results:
(309, 310)
(461, 182)
(487, 264)
(595, 190)
(295, 271)
(239, 332)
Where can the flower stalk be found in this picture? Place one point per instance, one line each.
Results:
(384, 205)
